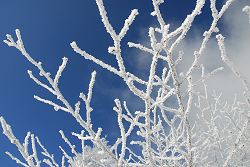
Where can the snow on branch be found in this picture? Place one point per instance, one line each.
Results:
(247, 10)
(127, 23)
(55, 90)
(32, 160)
(163, 130)
(105, 20)
(229, 63)
(90, 57)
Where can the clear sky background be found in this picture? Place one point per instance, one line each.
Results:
(48, 28)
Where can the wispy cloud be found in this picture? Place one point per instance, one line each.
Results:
(234, 25)
(236, 29)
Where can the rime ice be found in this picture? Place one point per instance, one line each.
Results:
(211, 143)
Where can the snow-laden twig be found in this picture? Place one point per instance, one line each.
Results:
(167, 136)
(55, 90)
(247, 10)
(23, 149)
(45, 153)
(229, 63)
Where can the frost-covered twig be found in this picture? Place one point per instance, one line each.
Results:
(226, 136)
(55, 90)
(23, 149)
(229, 63)
(167, 136)
(45, 153)
(247, 10)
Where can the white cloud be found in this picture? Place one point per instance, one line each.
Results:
(236, 30)
(235, 27)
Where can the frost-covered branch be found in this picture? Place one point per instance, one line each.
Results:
(32, 160)
(164, 133)
(229, 63)
(55, 90)
(247, 10)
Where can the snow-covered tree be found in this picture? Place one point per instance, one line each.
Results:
(198, 130)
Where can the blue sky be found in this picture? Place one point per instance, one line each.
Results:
(47, 29)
